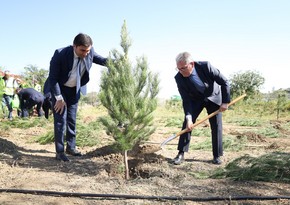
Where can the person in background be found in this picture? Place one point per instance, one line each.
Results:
(37, 86)
(68, 75)
(28, 98)
(2, 84)
(10, 85)
(201, 86)
(21, 83)
(16, 101)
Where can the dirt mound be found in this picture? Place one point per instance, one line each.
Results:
(8, 148)
(138, 158)
(278, 125)
(251, 136)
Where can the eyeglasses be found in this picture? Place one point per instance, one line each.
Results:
(183, 68)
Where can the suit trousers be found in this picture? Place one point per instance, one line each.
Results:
(215, 125)
(66, 122)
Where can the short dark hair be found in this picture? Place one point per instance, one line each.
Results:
(83, 40)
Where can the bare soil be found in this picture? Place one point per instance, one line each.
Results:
(97, 176)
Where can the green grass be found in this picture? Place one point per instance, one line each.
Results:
(250, 122)
(230, 143)
(200, 175)
(204, 145)
(286, 126)
(46, 138)
(200, 131)
(270, 132)
(173, 122)
(25, 123)
(5, 126)
(273, 167)
(87, 134)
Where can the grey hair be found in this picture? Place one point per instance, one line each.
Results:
(184, 57)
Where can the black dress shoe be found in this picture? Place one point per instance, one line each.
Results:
(178, 159)
(217, 160)
(73, 152)
(61, 156)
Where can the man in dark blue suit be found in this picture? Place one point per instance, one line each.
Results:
(28, 98)
(201, 86)
(68, 75)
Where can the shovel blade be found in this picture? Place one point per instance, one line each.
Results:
(167, 140)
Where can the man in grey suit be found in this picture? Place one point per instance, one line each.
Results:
(68, 75)
(201, 86)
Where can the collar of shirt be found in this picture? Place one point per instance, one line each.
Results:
(75, 55)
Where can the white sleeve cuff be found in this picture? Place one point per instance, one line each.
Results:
(188, 118)
(59, 97)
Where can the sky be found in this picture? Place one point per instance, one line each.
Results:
(234, 36)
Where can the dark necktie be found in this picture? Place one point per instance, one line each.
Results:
(196, 81)
(79, 67)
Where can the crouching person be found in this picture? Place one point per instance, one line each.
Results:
(29, 97)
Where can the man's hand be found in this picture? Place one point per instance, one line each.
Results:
(189, 125)
(189, 122)
(223, 107)
(59, 106)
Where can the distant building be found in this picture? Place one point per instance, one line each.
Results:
(175, 97)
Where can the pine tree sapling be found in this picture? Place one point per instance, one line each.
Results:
(129, 93)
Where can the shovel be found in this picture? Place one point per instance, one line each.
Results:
(199, 122)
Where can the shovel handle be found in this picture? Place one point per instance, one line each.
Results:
(210, 115)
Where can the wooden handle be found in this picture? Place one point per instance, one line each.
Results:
(210, 115)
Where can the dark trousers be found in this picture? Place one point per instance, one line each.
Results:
(66, 122)
(215, 125)
(6, 101)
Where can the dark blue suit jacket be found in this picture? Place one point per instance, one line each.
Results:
(61, 64)
(217, 87)
(29, 97)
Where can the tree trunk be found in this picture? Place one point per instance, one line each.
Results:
(126, 165)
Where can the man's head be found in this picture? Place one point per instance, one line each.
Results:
(185, 63)
(7, 74)
(82, 45)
